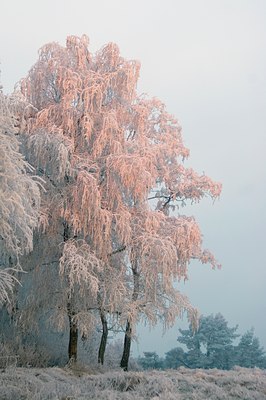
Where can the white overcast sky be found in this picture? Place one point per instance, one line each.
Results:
(206, 59)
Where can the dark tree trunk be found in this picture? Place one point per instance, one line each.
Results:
(66, 232)
(73, 340)
(73, 328)
(129, 326)
(102, 347)
(127, 345)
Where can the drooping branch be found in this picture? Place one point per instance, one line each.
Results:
(119, 250)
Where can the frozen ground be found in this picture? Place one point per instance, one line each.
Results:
(182, 384)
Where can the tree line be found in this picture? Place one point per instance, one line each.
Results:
(93, 182)
(213, 345)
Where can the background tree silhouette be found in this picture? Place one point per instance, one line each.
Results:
(249, 353)
(212, 345)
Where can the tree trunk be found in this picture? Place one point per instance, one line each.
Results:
(66, 231)
(73, 328)
(127, 345)
(129, 325)
(103, 339)
(73, 340)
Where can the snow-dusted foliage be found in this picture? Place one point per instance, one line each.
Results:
(182, 384)
(19, 194)
(7, 282)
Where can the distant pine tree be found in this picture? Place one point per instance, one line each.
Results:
(151, 360)
(211, 346)
(249, 353)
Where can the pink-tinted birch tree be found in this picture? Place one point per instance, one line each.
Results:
(114, 162)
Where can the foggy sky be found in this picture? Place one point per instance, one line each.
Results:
(207, 61)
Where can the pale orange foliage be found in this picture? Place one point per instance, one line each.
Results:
(111, 150)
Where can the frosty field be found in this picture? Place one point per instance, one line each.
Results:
(181, 384)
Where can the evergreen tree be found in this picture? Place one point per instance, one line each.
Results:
(192, 340)
(211, 346)
(151, 360)
(249, 353)
(217, 338)
(175, 358)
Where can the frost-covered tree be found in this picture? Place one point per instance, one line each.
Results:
(113, 162)
(19, 194)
